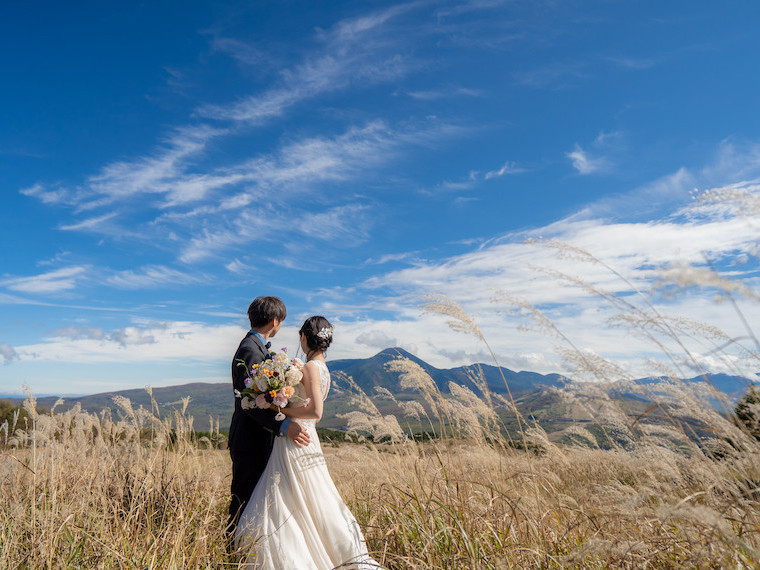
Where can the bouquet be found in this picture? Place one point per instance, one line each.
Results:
(276, 380)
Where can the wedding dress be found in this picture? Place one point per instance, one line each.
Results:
(295, 518)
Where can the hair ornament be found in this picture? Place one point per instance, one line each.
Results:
(325, 333)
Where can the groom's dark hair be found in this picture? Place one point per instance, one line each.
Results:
(263, 309)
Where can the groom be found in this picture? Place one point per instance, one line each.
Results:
(252, 431)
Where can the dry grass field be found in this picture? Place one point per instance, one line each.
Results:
(80, 491)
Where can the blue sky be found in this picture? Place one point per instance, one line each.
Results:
(164, 163)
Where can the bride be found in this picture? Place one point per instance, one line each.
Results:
(296, 518)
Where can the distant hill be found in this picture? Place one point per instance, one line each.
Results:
(371, 372)
(734, 387)
(214, 400)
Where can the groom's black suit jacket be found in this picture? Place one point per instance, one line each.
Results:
(252, 432)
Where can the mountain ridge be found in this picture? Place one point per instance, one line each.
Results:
(211, 402)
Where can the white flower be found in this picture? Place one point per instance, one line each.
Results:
(293, 376)
(247, 404)
(280, 359)
(325, 332)
(279, 416)
(237, 393)
(261, 384)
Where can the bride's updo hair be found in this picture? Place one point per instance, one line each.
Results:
(318, 331)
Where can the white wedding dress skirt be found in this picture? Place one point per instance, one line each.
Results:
(295, 518)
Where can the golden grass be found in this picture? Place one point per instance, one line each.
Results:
(80, 491)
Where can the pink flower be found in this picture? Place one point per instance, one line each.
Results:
(261, 401)
(298, 363)
(280, 402)
(287, 391)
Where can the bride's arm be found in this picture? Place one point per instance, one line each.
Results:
(312, 410)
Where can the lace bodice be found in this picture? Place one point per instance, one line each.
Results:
(324, 385)
(324, 378)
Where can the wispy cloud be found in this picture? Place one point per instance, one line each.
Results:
(507, 168)
(211, 242)
(669, 192)
(8, 353)
(163, 173)
(350, 52)
(63, 279)
(584, 163)
(736, 161)
(388, 258)
(244, 52)
(469, 6)
(170, 341)
(474, 178)
(79, 333)
(344, 224)
(298, 169)
(445, 93)
(150, 277)
(89, 223)
(635, 63)
(554, 75)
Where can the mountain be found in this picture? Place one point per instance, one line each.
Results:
(734, 387)
(529, 389)
(214, 400)
(371, 372)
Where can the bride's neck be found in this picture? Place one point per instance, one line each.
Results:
(316, 355)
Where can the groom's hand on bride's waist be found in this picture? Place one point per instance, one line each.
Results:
(298, 434)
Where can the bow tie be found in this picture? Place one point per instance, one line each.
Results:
(268, 345)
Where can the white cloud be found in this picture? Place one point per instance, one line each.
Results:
(175, 341)
(89, 223)
(63, 279)
(293, 171)
(507, 168)
(667, 193)
(584, 163)
(351, 52)
(555, 74)
(151, 276)
(160, 174)
(735, 161)
(78, 333)
(348, 224)
(8, 353)
(238, 267)
(213, 241)
(633, 62)
(45, 195)
(245, 53)
(376, 339)
(445, 93)
(164, 173)
(389, 257)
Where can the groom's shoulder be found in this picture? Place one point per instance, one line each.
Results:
(249, 344)
(247, 340)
